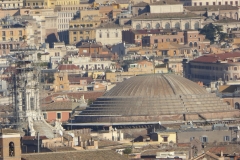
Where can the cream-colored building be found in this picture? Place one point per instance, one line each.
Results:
(11, 4)
(169, 6)
(109, 34)
(181, 20)
(47, 20)
(209, 2)
(165, 137)
(48, 3)
(83, 29)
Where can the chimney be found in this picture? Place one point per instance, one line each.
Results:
(221, 153)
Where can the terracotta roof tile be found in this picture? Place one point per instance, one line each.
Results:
(67, 67)
(213, 58)
(76, 79)
(76, 155)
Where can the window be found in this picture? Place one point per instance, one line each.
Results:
(61, 86)
(11, 149)
(226, 3)
(195, 4)
(74, 38)
(107, 35)
(235, 68)
(32, 103)
(74, 32)
(219, 3)
(45, 115)
(236, 3)
(100, 35)
(231, 2)
(59, 115)
(87, 32)
(165, 139)
(204, 139)
(237, 106)
(226, 138)
(200, 3)
(155, 40)
(20, 33)
(192, 138)
(207, 3)
(214, 3)
(116, 34)
(3, 38)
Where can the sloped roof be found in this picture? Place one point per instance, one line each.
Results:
(67, 67)
(140, 4)
(76, 155)
(227, 20)
(167, 15)
(76, 95)
(211, 8)
(166, 2)
(76, 79)
(213, 58)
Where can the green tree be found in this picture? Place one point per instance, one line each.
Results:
(127, 151)
(39, 55)
(213, 33)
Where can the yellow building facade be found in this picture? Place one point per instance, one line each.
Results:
(167, 137)
(61, 82)
(82, 30)
(12, 34)
(49, 3)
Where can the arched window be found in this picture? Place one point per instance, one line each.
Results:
(196, 25)
(11, 149)
(235, 77)
(148, 26)
(226, 78)
(190, 44)
(237, 106)
(177, 25)
(157, 26)
(195, 44)
(186, 26)
(236, 16)
(138, 26)
(167, 26)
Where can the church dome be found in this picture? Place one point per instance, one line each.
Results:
(155, 97)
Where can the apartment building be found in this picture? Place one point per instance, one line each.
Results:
(48, 3)
(109, 34)
(214, 67)
(11, 4)
(210, 2)
(83, 29)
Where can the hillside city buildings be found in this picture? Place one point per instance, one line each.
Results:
(119, 79)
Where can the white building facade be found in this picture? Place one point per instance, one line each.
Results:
(108, 35)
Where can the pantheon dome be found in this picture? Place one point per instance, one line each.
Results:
(156, 97)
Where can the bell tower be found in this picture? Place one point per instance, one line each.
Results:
(10, 146)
